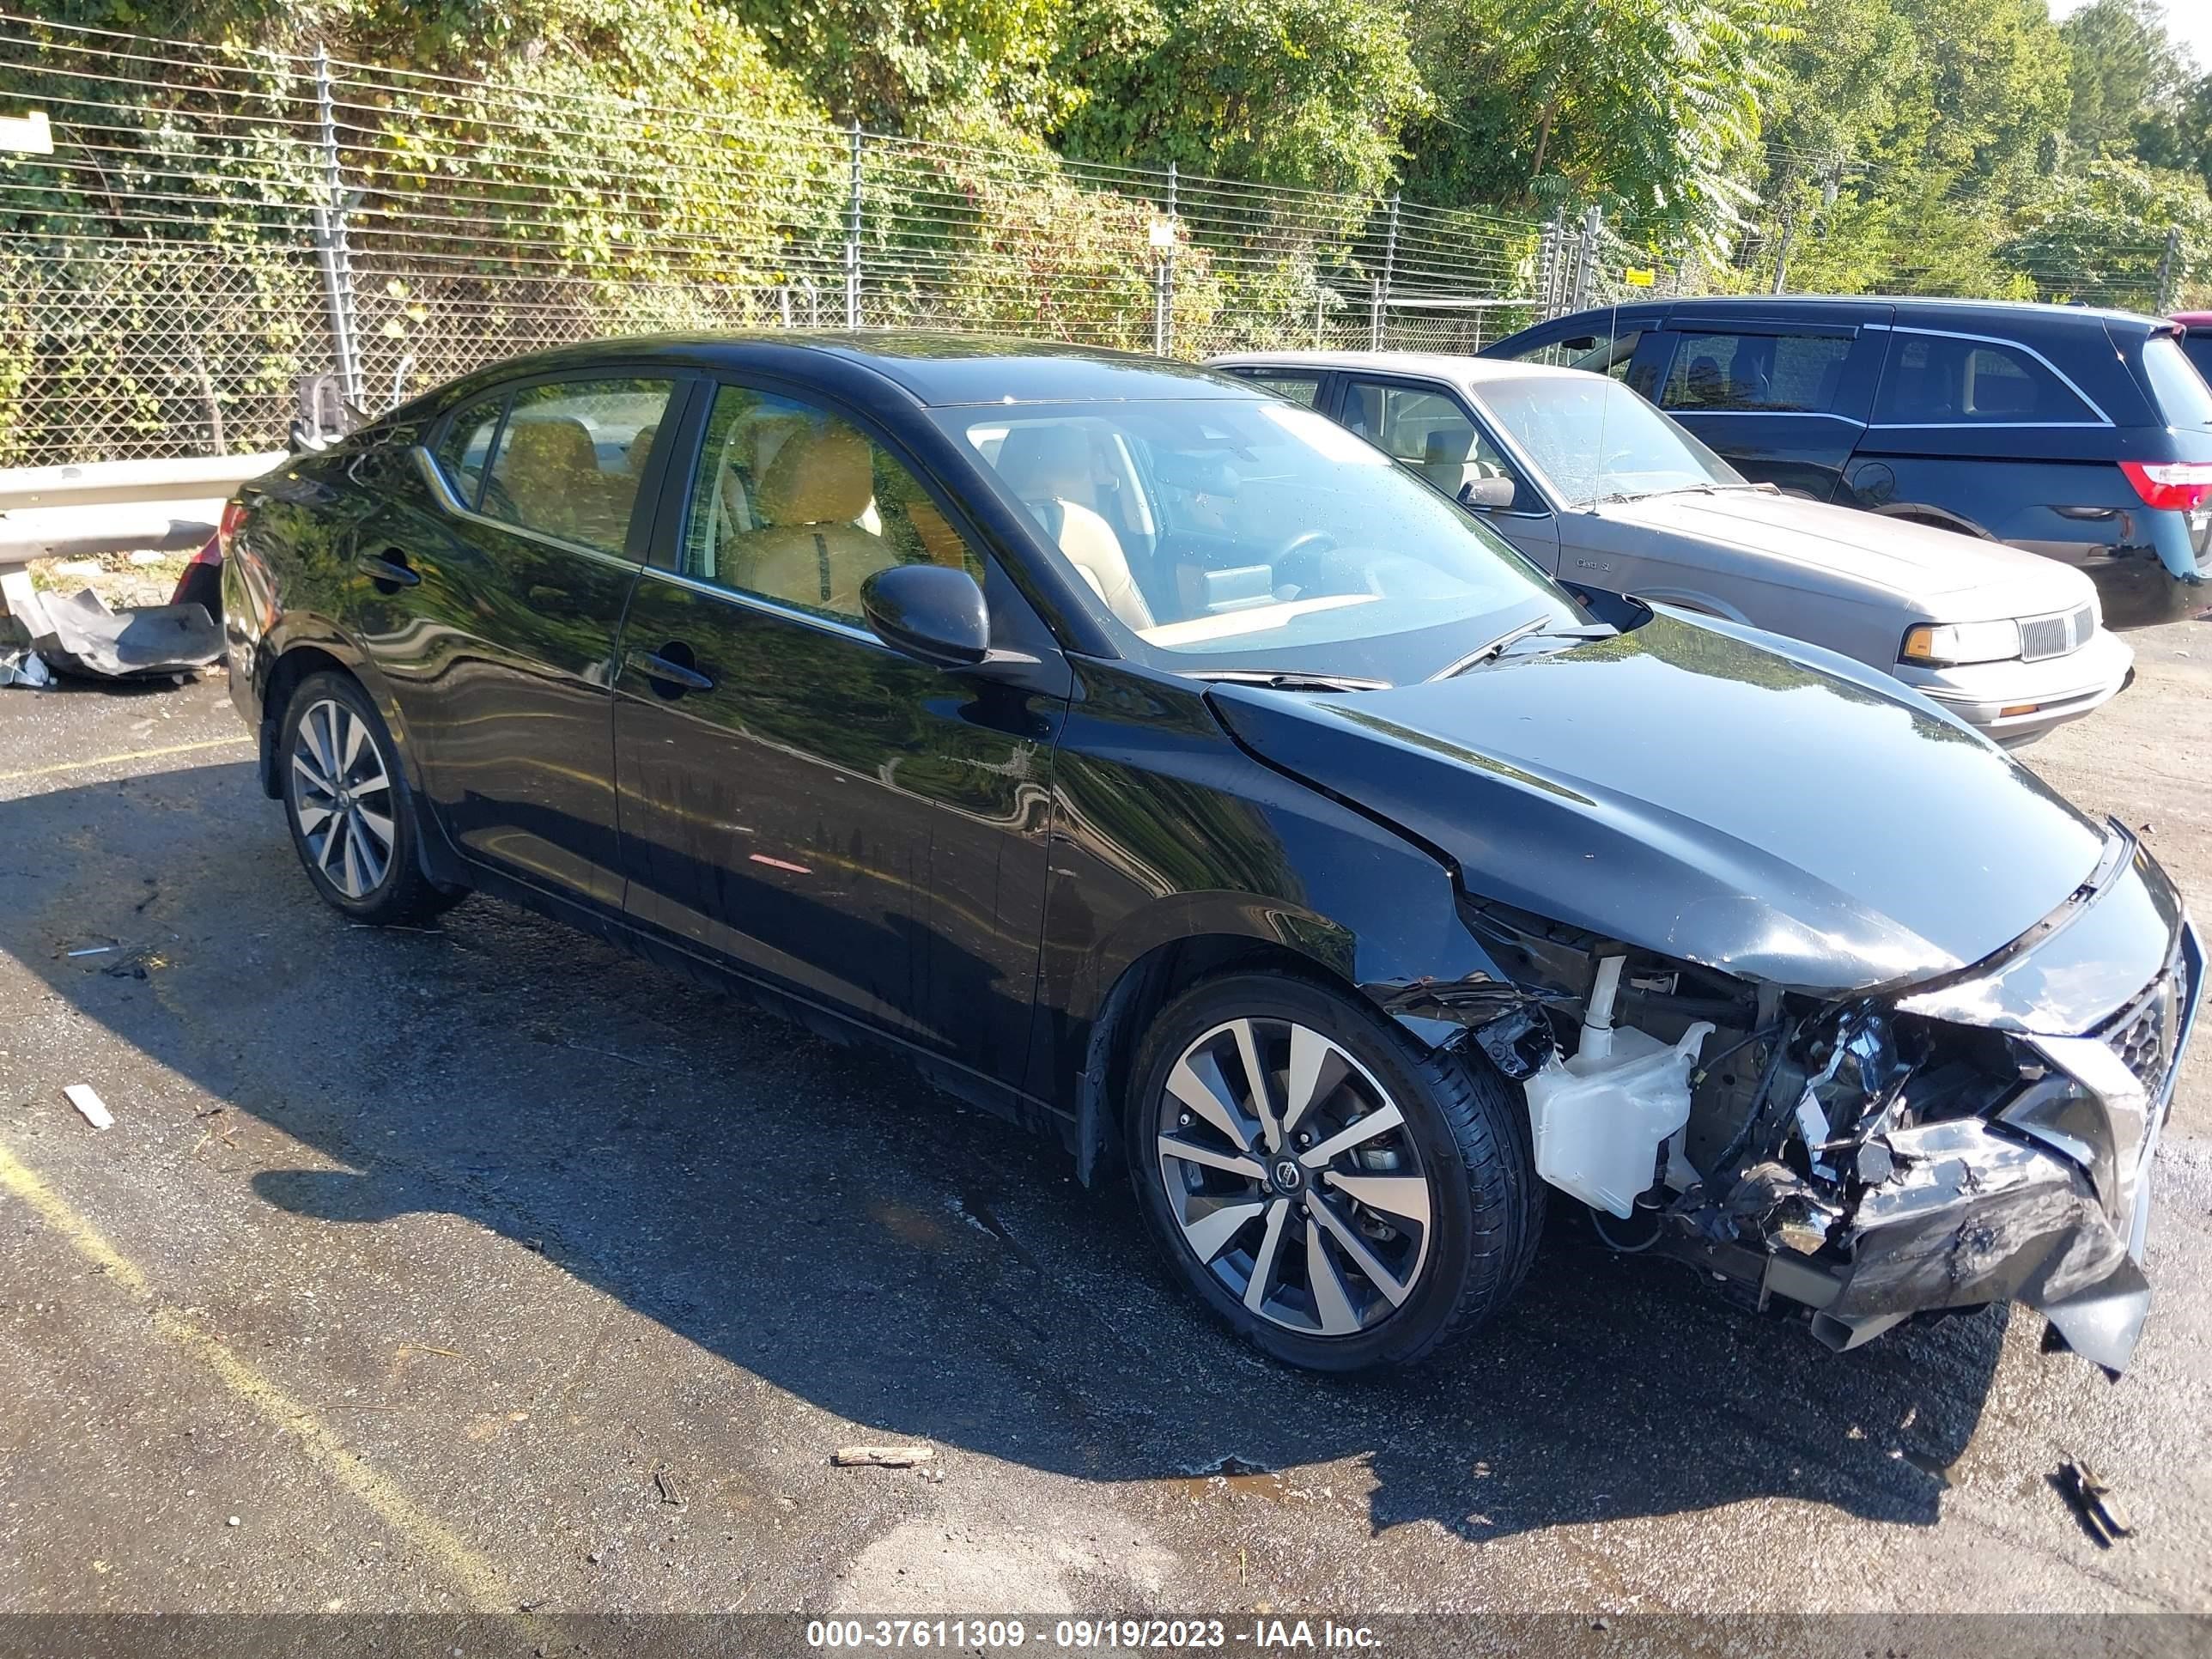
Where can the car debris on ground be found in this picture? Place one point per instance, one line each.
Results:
(19, 663)
(21, 666)
(881, 1457)
(80, 635)
(2100, 1513)
(89, 1105)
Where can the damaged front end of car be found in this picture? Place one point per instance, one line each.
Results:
(1981, 1137)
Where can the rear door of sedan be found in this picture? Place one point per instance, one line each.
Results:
(863, 831)
(499, 609)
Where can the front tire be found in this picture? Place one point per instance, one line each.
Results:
(1338, 1197)
(352, 818)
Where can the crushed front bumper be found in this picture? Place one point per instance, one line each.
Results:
(2046, 1201)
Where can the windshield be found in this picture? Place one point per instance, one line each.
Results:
(1595, 440)
(2184, 399)
(1257, 536)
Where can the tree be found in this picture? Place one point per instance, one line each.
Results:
(1932, 119)
(1652, 107)
(1312, 92)
(2103, 231)
(2126, 76)
(901, 65)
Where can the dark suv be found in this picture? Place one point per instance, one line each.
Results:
(2085, 435)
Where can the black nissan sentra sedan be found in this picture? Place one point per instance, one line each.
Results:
(1165, 769)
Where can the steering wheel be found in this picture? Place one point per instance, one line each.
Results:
(1299, 548)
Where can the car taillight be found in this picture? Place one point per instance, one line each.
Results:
(233, 518)
(2183, 485)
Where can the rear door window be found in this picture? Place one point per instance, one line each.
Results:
(1789, 373)
(467, 443)
(1299, 388)
(1945, 379)
(571, 456)
(2184, 399)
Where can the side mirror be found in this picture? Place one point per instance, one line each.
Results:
(930, 612)
(1487, 492)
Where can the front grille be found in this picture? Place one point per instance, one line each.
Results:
(2044, 637)
(2142, 1034)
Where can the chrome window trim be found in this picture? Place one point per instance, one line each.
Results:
(1769, 414)
(2064, 380)
(767, 606)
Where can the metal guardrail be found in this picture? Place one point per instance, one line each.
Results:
(114, 484)
(117, 506)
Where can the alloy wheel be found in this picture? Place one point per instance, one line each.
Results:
(342, 795)
(1294, 1177)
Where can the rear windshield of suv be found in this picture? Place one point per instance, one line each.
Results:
(2184, 399)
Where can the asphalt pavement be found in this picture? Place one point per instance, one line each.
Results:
(485, 1267)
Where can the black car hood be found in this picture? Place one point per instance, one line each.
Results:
(1769, 810)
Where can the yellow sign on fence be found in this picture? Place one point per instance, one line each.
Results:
(1636, 278)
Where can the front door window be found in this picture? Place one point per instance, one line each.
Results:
(794, 505)
(1432, 433)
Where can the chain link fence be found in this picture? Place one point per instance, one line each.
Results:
(214, 223)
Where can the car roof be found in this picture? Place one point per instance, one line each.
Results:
(1429, 365)
(940, 370)
(1844, 308)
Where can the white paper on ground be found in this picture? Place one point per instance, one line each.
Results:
(93, 1107)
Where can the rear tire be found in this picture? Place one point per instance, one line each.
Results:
(1386, 1199)
(352, 817)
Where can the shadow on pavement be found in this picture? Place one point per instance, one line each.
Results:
(821, 1219)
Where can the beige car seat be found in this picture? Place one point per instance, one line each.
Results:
(1049, 468)
(549, 471)
(807, 550)
(1451, 463)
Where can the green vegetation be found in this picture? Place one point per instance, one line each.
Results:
(604, 166)
(1951, 145)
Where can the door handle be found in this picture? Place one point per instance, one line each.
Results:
(388, 569)
(671, 667)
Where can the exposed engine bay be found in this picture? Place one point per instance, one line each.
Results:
(1912, 1151)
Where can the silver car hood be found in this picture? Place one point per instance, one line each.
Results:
(1956, 577)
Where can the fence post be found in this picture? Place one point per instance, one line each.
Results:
(1382, 296)
(1782, 251)
(1586, 257)
(331, 248)
(2167, 266)
(1164, 278)
(852, 240)
(1547, 269)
